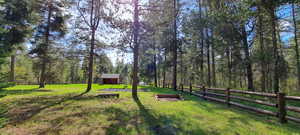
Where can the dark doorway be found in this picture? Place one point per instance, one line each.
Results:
(110, 81)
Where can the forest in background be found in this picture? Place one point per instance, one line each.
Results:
(245, 44)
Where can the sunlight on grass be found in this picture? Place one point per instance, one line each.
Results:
(34, 90)
(56, 112)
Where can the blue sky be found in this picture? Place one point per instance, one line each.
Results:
(285, 15)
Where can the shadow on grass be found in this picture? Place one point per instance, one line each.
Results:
(154, 123)
(27, 108)
(242, 116)
(163, 124)
(4, 92)
(124, 121)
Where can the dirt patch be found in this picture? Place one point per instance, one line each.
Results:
(168, 97)
(124, 90)
(17, 131)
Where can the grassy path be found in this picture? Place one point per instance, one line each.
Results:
(54, 110)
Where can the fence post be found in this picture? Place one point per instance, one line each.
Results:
(204, 92)
(191, 88)
(228, 96)
(281, 107)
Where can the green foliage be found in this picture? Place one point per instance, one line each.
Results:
(3, 118)
(3, 76)
(103, 64)
(45, 49)
(15, 20)
(7, 84)
(56, 25)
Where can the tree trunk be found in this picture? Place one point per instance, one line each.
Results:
(270, 78)
(72, 73)
(164, 70)
(181, 67)
(275, 51)
(91, 55)
(229, 66)
(158, 75)
(44, 57)
(208, 60)
(261, 42)
(91, 61)
(175, 48)
(202, 61)
(296, 44)
(201, 44)
(208, 51)
(135, 50)
(155, 68)
(241, 78)
(12, 68)
(247, 61)
(214, 76)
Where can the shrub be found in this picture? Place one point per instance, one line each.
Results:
(6, 84)
(3, 118)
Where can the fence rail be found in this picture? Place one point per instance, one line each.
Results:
(227, 95)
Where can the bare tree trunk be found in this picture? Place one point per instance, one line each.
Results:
(208, 60)
(47, 34)
(158, 75)
(155, 67)
(135, 49)
(202, 62)
(91, 61)
(275, 51)
(175, 48)
(164, 70)
(214, 78)
(72, 74)
(247, 61)
(222, 83)
(201, 44)
(91, 57)
(208, 50)
(229, 66)
(296, 44)
(261, 42)
(181, 67)
(270, 76)
(12, 68)
(241, 78)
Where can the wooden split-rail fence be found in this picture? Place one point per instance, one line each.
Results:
(231, 97)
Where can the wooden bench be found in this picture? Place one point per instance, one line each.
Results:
(168, 97)
(108, 95)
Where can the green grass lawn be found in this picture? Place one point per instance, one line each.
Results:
(55, 110)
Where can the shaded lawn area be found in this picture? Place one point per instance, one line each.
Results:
(55, 110)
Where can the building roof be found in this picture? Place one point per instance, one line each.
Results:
(110, 76)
